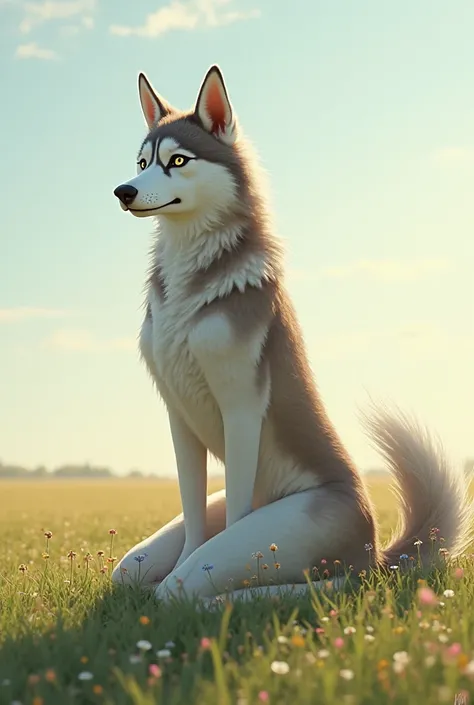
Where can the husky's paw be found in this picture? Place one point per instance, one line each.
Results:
(168, 588)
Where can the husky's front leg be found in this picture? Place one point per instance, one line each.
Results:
(191, 461)
(230, 367)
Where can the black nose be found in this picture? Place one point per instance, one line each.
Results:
(126, 194)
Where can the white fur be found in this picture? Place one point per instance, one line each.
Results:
(206, 378)
(168, 147)
(199, 184)
(229, 367)
(191, 461)
(288, 522)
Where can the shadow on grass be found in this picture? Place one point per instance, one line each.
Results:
(81, 645)
(102, 643)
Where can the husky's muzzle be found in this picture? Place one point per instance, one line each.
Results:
(126, 193)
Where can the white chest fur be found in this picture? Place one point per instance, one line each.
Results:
(179, 377)
(164, 345)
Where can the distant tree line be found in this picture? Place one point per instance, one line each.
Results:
(71, 471)
(64, 471)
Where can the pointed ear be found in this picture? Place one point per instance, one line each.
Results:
(213, 108)
(154, 107)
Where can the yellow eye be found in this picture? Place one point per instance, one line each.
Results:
(179, 160)
(142, 164)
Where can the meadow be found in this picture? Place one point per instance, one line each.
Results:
(68, 637)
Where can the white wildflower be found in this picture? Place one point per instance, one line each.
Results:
(280, 667)
(163, 653)
(347, 674)
(401, 657)
(144, 645)
(85, 676)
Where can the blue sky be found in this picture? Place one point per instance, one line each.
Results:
(363, 116)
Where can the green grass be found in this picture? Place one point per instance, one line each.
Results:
(61, 618)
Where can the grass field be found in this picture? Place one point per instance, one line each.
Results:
(68, 637)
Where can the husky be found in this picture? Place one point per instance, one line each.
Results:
(223, 346)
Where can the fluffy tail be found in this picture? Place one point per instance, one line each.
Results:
(432, 495)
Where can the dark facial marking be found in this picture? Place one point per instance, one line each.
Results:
(157, 143)
(191, 136)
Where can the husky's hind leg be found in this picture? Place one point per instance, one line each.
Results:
(154, 558)
(306, 527)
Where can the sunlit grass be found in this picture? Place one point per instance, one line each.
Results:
(67, 637)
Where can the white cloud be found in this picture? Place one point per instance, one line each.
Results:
(33, 51)
(84, 341)
(21, 313)
(387, 269)
(189, 15)
(37, 13)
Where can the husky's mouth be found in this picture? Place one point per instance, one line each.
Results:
(156, 208)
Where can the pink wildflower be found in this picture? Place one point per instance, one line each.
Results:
(154, 670)
(338, 642)
(454, 650)
(426, 596)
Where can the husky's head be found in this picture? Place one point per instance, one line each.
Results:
(189, 165)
